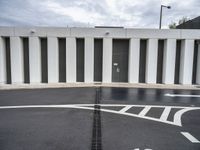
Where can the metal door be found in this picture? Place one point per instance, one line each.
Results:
(120, 60)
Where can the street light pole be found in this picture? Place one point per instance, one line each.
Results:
(168, 7)
(160, 17)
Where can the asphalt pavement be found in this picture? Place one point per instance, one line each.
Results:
(99, 119)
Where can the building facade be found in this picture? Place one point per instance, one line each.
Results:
(53, 55)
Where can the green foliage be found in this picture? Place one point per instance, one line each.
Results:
(180, 21)
(172, 25)
(183, 20)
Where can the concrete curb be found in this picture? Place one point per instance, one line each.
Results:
(74, 85)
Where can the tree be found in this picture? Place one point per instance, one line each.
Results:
(174, 24)
(183, 20)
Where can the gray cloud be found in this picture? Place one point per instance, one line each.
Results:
(127, 13)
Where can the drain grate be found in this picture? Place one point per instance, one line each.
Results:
(96, 132)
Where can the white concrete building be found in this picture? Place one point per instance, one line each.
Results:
(52, 55)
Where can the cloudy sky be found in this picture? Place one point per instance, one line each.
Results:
(88, 13)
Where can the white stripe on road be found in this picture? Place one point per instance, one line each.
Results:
(125, 109)
(181, 95)
(178, 114)
(176, 121)
(144, 111)
(165, 113)
(190, 137)
(144, 149)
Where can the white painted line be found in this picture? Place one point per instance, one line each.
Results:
(103, 105)
(144, 111)
(181, 95)
(123, 105)
(165, 113)
(190, 137)
(144, 149)
(126, 108)
(176, 121)
(178, 114)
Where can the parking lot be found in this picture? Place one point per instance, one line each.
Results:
(99, 118)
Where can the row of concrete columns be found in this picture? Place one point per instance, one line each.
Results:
(17, 74)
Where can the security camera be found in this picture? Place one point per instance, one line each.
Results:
(107, 32)
(33, 31)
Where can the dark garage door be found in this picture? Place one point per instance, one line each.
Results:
(120, 60)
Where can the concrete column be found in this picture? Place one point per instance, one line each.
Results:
(2, 61)
(186, 62)
(134, 59)
(169, 61)
(198, 66)
(151, 60)
(17, 64)
(107, 60)
(53, 70)
(71, 60)
(35, 59)
(89, 60)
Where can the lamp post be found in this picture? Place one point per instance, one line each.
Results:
(168, 7)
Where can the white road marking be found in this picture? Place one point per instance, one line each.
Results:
(178, 114)
(190, 137)
(144, 111)
(126, 108)
(123, 105)
(144, 149)
(165, 113)
(181, 95)
(176, 121)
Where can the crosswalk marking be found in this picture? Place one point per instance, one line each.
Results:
(126, 108)
(165, 113)
(144, 111)
(146, 108)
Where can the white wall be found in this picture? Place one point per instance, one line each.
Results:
(2, 61)
(186, 63)
(151, 60)
(35, 60)
(107, 60)
(89, 60)
(134, 59)
(169, 59)
(71, 59)
(52, 52)
(107, 34)
(16, 57)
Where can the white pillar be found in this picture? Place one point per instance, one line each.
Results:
(107, 60)
(35, 59)
(89, 60)
(169, 59)
(2, 61)
(198, 66)
(134, 58)
(186, 62)
(17, 63)
(53, 70)
(151, 60)
(71, 59)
